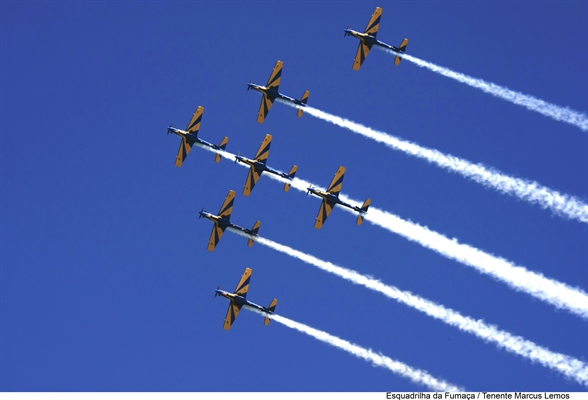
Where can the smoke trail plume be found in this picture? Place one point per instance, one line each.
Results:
(558, 294)
(558, 113)
(379, 360)
(568, 366)
(560, 204)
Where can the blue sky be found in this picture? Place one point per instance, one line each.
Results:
(106, 283)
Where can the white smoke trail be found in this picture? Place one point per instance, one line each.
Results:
(222, 153)
(568, 366)
(560, 204)
(558, 113)
(378, 360)
(558, 294)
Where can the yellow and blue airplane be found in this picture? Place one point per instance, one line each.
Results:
(239, 299)
(368, 38)
(331, 198)
(270, 93)
(258, 166)
(222, 222)
(190, 138)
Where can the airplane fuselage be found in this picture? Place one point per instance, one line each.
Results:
(260, 167)
(257, 165)
(332, 199)
(224, 222)
(272, 93)
(192, 138)
(369, 39)
(240, 300)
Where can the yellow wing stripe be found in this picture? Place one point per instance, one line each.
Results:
(374, 24)
(362, 52)
(183, 151)
(227, 207)
(323, 213)
(232, 313)
(194, 125)
(215, 236)
(243, 285)
(337, 182)
(264, 107)
(252, 178)
(263, 152)
(274, 79)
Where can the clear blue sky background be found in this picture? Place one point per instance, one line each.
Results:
(106, 283)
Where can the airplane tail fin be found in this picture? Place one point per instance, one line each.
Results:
(271, 308)
(222, 145)
(363, 210)
(401, 49)
(290, 176)
(254, 232)
(303, 100)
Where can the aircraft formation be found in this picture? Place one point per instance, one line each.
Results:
(258, 165)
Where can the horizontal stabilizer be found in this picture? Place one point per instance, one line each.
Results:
(271, 308)
(362, 211)
(359, 219)
(290, 176)
(366, 205)
(303, 100)
(254, 232)
(401, 49)
(222, 145)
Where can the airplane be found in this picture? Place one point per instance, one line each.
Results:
(270, 93)
(258, 166)
(331, 198)
(368, 38)
(222, 222)
(190, 137)
(239, 299)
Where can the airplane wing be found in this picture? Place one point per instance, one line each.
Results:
(274, 79)
(232, 313)
(243, 285)
(185, 148)
(337, 182)
(215, 235)
(263, 152)
(264, 107)
(194, 125)
(374, 24)
(362, 52)
(227, 207)
(371, 29)
(241, 290)
(252, 178)
(323, 213)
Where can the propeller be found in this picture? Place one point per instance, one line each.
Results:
(237, 157)
(346, 31)
(215, 292)
(169, 128)
(308, 190)
(200, 214)
(249, 85)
